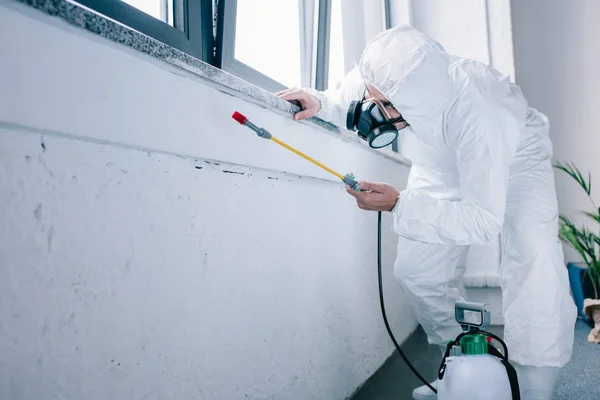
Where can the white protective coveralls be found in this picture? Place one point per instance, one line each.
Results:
(481, 166)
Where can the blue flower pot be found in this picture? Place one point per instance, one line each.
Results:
(581, 287)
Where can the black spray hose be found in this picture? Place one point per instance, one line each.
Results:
(387, 325)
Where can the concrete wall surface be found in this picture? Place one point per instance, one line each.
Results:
(152, 248)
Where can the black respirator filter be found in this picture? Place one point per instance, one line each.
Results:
(369, 120)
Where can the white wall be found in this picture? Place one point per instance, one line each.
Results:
(151, 247)
(557, 57)
(476, 29)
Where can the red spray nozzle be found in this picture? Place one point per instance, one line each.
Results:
(239, 118)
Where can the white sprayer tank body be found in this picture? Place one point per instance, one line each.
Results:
(481, 377)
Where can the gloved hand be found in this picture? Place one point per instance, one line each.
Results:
(375, 196)
(309, 104)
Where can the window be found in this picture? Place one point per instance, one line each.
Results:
(159, 9)
(277, 44)
(267, 42)
(336, 45)
(274, 44)
(182, 24)
(256, 40)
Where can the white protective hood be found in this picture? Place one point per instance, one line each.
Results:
(411, 70)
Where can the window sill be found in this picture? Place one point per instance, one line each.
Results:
(77, 15)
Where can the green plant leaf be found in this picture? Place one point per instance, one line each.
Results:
(582, 240)
(595, 217)
(574, 172)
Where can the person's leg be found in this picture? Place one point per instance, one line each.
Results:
(536, 383)
(430, 276)
(538, 309)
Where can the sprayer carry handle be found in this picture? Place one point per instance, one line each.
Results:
(484, 315)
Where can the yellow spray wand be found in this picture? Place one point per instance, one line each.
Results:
(348, 179)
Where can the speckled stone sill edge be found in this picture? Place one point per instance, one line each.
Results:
(81, 17)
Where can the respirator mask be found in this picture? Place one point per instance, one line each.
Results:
(372, 122)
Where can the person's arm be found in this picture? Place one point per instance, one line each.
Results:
(335, 102)
(483, 154)
(330, 105)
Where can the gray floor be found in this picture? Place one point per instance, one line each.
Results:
(580, 379)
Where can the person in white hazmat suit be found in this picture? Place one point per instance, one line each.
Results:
(481, 167)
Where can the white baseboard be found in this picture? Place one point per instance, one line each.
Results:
(490, 280)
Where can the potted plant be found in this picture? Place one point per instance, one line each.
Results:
(585, 276)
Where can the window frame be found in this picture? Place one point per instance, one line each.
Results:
(192, 34)
(323, 42)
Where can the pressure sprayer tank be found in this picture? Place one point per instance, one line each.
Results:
(470, 371)
(474, 374)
